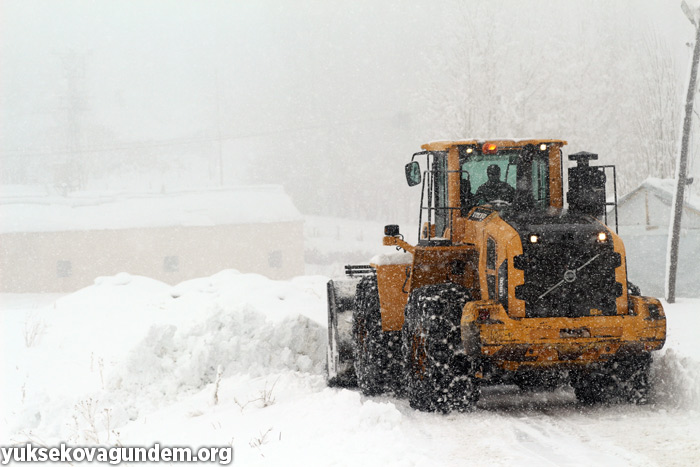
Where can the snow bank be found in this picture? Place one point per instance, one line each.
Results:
(132, 344)
(676, 369)
(237, 359)
(676, 380)
(236, 340)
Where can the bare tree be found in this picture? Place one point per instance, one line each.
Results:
(657, 120)
(573, 71)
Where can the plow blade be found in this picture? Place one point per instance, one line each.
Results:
(341, 301)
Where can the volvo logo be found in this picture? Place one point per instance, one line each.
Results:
(570, 275)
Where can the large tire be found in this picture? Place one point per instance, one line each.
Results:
(440, 376)
(377, 352)
(631, 375)
(592, 387)
(542, 380)
(623, 379)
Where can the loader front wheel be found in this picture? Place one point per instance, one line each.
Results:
(419, 387)
(624, 379)
(440, 376)
(377, 352)
(632, 377)
(592, 387)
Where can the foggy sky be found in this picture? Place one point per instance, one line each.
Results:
(299, 80)
(153, 70)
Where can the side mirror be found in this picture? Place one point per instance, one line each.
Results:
(413, 176)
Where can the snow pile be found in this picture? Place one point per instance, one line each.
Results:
(135, 344)
(236, 340)
(71, 344)
(676, 380)
(676, 369)
(382, 414)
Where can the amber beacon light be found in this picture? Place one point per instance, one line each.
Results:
(489, 148)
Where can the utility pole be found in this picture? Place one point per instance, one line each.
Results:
(681, 181)
(218, 130)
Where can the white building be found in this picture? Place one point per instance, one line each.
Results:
(644, 218)
(51, 243)
(649, 207)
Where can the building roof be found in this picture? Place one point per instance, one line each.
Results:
(37, 211)
(664, 188)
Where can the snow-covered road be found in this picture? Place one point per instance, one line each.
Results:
(237, 359)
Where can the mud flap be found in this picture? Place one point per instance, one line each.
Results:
(341, 301)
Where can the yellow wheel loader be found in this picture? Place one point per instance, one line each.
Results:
(505, 286)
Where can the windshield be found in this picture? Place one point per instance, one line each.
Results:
(503, 179)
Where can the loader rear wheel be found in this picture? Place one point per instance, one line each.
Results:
(439, 375)
(377, 352)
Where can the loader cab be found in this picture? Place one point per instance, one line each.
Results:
(528, 177)
(510, 178)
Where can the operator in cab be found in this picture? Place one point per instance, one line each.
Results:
(494, 189)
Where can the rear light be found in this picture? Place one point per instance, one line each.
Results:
(654, 311)
(484, 314)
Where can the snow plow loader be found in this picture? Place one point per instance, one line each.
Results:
(505, 285)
